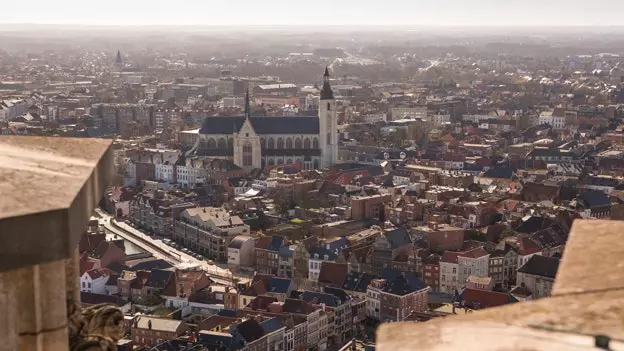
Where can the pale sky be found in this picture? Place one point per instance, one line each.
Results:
(316, 12)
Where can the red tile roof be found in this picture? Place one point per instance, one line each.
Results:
(95, 274)
(474, 253)
(479, 299)
(526, 246)
(449, 257)
(333, 273)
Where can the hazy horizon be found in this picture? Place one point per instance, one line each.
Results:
(338, 13)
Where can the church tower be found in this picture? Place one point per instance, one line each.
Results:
(118, 62)
(328, 124)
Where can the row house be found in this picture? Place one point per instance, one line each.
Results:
(267, 254)
(181, 286)
(338, 305)
(389, 246)
(329, 251)
(456, 267)
(208, 230)
(396, 296)
(537, 275)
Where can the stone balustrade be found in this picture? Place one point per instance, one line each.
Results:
(49, 188)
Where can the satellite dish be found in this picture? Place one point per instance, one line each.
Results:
(386, 155)
(402, 155)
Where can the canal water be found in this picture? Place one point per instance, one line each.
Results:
(130, 247)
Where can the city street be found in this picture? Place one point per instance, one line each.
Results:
(160, 249)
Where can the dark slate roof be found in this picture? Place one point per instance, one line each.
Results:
(158, 278)
(595, 198)
(321, 251)
(150, 265)
(250, 330)
(499, 172)
(279, 285)
(319, 297)
(398, 281)
(117, 267)
(339, 293)
(541, 265)
(531, 224)
(271, 325)
(213, 152)
(227, 313)
(276, 243)
(88, 298)
(398, 237)
(357, 281)
(214, 339)
(262, 125)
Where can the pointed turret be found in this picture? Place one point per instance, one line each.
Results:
(326, 91)
(118, 59)
(247, 109)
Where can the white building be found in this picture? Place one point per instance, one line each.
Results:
(456, 267)
(94, 281)
(408, 112)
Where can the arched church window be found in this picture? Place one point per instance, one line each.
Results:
(315, 143)
(280, 143)
(203, 144)
(280, 161)
(222, 143)
(328, 106)
(298, 143)
(306, 143)
(212, 144)
(271, 144)
(316, 164)
(247, 155)
(288, 143)
(231, 143)
(263, 143)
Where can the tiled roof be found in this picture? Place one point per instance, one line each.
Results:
(333, 273)
(95, 274)
(261, 125)
(478, 299)
(541, 266)
(474, 253)
(449, 257)
(526, 246)
(279, 285)
(250, 330)
(397, 238)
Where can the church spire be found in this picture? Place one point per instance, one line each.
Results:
(326, 91)
(247, 109)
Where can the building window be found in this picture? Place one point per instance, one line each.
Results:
(306, 143)
(263, 143)
(298, 143)
(247, 155)
(222, 143)
(289, 144)
(280, 143)
(271, 144)
(315, 143)
(212, 144)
